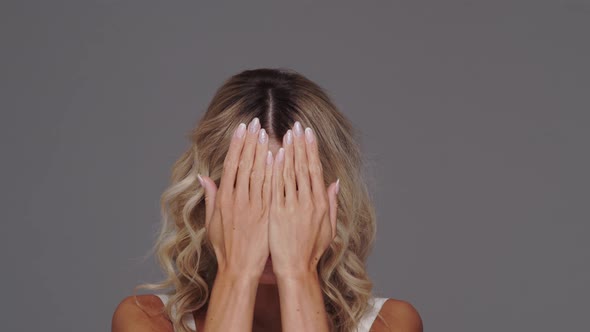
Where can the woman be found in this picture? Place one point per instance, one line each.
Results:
(267, 226)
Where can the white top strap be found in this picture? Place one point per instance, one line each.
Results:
(375, 304)
(187, 318)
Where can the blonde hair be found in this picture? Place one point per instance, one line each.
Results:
(278, 97)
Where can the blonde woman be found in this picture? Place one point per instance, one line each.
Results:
(268, 223)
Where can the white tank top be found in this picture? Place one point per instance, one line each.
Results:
(375, 304)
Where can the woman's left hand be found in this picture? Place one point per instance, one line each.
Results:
(303, 212)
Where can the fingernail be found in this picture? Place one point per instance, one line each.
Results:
(289, 137)
(262, 137)
(254, 125)
(269, 158)
(281, 154)
(200, 179)
(298, 129)
(308, 135)
(337, 186)
(241, 130)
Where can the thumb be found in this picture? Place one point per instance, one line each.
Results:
(210, 192)
(333, 200)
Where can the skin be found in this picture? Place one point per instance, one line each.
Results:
(285, 212)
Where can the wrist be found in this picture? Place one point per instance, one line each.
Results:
(233, 277)
(296, 276)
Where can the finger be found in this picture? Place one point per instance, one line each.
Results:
(333, 200)
(314, 165)
(232, 158)
(247, 159)
(301, 170)
(288, 168)
(278, 187)
(258, 169)
(210, 191)
(267, 186)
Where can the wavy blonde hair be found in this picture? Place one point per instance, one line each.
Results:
(278, 97)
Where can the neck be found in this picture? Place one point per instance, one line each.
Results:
(267, 310)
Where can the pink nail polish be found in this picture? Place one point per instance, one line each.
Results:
(262, 137)
(289, 137)
(269, 157)
(254, 125)
(241, 130)
(298, 129)
(280, 155)
(309, 135)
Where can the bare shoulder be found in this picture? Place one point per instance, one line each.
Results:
(129, 316)
(400, 315)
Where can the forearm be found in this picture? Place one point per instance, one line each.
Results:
(302, 304)
(231, 306)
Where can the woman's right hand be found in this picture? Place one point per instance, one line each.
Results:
(237, 217)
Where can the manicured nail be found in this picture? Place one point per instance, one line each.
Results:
(337, 186)
(269, 157)
(298, 129)
(289, 137)
(262, 136)
(241, 130)
(280, 154)
(200, 179)
(309, 135)
(254, 125)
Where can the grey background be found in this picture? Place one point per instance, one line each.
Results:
(474, 121)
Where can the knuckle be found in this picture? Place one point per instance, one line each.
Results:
(315, 169)
(289, 174)
(242, 163)
(321, 206)
(241, 201)
(222, 202)
(290, 209)
(226, 215)
(300, 169)
(307, 204)
(257, 205)
(229, 164)
(320, 214)
(256, 175)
